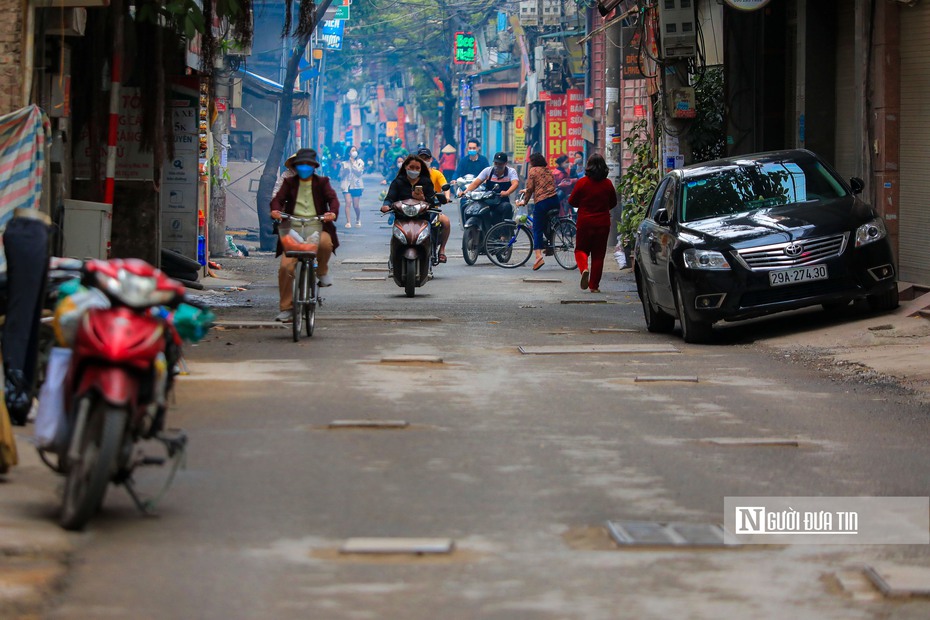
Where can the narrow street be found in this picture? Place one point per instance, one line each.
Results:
(519, 458)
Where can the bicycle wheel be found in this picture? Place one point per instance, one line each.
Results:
(563, 243)
(310, 308)
(508, 244)
(297, 310)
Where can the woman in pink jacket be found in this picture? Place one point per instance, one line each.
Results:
(594, 196)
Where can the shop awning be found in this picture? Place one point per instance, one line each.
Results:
(263, 87)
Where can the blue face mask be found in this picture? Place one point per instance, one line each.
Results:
(304, 171)
(472, 153)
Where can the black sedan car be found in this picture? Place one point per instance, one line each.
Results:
(751, 235)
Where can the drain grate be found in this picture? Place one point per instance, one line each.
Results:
(679, 379)
(411, 359)
(369, 424)
(656, 534)
(613, 330)
(542, 280)
(598, 348)
(375, 269)
(900, 581)
(584, 301)
(753, 442)
(410, 546)
(369, 278)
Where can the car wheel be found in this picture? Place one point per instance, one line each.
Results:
(657, 321)
(694, 332)
(884, 302)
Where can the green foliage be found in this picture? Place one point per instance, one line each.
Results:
(638, 182)
(708, 131)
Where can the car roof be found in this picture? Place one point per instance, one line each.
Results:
(743, 160)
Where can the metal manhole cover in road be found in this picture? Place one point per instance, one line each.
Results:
(656, 534)
(598, 348)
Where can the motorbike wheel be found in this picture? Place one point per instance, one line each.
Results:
(470, 245)
(88, 478)
(563, 243)
(410, 277)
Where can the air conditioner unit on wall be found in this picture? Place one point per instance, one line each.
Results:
(677, 28)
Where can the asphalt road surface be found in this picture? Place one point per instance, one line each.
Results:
(519, 459)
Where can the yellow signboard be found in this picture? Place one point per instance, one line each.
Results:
(519, 135)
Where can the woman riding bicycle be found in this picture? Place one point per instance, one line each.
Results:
(305, 195)
(541, 185)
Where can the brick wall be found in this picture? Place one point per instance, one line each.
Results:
(11, 55)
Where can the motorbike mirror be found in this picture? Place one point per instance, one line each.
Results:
(446, 187)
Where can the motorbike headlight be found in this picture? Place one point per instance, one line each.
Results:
(423, 235)
(134, 291)
(411, 210)
(705, 259)
(398, 234)
(871, 232)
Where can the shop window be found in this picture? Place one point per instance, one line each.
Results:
(240, 146)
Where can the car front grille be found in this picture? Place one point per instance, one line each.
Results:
(808, 252)
(794, 292)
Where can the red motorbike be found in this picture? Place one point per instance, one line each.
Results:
(123, 360)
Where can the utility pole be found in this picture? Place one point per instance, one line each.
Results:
(222, 94)
(613, 116)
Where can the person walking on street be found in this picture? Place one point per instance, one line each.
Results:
(447, 161)
(352, 186)
(541, 186)
(305, 195)
(594, 196)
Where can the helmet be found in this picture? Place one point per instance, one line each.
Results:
(500, 158)
(424, 152)
(398, 141)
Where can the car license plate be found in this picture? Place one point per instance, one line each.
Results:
(799, 274)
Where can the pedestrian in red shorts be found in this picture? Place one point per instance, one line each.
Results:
(594, 196)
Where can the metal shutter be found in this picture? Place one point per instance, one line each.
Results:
(914, 211)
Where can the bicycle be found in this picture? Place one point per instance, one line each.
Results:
(306, 298)
(509, 244)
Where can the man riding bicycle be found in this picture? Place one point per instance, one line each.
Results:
(305, 195)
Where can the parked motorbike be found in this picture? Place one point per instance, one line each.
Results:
(414, 242)
(123, 361)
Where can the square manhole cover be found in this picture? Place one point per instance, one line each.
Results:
(656, 534)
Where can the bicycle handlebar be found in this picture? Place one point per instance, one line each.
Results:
(315, 218)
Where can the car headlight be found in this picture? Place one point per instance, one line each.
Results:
(871, 232)
(705, 259)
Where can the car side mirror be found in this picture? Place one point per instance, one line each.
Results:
(662, 218)
(857, 185)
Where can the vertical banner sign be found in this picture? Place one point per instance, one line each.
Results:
(519, 135)
(332, 34)
(564, 124)
(401, 123)
(630, 48)
(179, 194)
(466, 48)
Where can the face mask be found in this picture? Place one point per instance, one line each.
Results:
(472, 152)
(353, 154)
(304, 171)
(413, 174)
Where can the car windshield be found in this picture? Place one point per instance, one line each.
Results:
(756, 185)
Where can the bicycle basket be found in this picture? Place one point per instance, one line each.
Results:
(291, 241)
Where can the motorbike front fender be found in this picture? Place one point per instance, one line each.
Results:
(473, 222)
(114, 385)
(411, 252)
